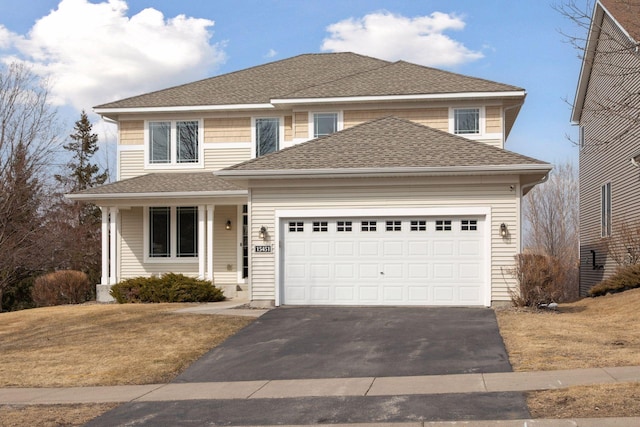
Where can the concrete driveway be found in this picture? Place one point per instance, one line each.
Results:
(341, 342)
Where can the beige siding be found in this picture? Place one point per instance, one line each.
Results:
(301, 125)
(236, 129)
(437, 118)
(493, 119)
(219, 158)
(609, 142)
(225, 252)
(406, 194)
(131, 132)
(288, 128)
(131, 164)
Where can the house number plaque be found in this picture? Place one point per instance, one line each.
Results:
(263, 249)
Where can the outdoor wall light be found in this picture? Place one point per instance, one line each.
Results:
(228, 225)
(503, 230)
(263, 233)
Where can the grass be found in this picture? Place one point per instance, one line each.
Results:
(590, 333)
(90, 345)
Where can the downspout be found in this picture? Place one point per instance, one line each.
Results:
(522, 189)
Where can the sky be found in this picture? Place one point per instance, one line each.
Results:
(98, 51)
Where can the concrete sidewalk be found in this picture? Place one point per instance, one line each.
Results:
(330, 387)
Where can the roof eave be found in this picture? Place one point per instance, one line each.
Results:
(377, 172)
(381, 98)
(155, 195)
(106, 111)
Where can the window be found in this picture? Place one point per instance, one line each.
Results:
(267, 136)
(320, 226)
(468, 225)
(296, 227)
(605, 207)
(419, 225)
(466, 121)
(174, 142)
(443, 225)
(581, 136)
(324, 124)
(368, 226)
(173, 232)
(394, 226)
(344, 226)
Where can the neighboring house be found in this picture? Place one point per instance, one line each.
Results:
(403, 194)
(607, 109)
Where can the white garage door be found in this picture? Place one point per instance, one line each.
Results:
(383, 261)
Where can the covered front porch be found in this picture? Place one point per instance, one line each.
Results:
(180, 223)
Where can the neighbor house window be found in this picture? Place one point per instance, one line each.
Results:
(173, 232)
(267, 136)
(324, 124)
(581, 136)
(605, 194)
(466, 121)
(174, 142)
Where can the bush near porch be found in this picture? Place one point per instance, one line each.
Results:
(170, 287)
(624, 279)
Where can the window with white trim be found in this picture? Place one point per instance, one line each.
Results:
(267, 135)
(581, 136)
(173, 232)
(466, 121)
(296, 227)
(173, 142)
(320, 226)
(443, 225)
(469, 225)
(394, 226)
(324, 124)
(419, 225)
(344, 226)
(368, 226)
(605, 209)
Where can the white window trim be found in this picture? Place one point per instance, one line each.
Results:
(173, 164)
(173, 233)
(605, 227)
(311, 121)
(253, 132)
(482, 125)
(581, 136)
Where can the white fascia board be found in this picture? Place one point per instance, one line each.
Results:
(183, 108)
(373, 172)
(434, 96)
(174, 195)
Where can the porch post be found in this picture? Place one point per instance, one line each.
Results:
(105, 245)
(113, 234)
(202, 243)
(210, 212)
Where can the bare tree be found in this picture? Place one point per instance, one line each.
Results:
(27, 141)
(615, 66)
(550, 212)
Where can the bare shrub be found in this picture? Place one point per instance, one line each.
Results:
(62, 287)
(542, 280)
(624, 243)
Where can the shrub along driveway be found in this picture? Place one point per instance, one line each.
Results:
(340, 342)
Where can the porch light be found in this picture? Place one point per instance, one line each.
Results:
(503, 230)
(263, 232)
(228, 225)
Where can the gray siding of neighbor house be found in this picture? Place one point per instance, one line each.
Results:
(610, 139)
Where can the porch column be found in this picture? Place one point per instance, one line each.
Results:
(105, 245)
(202, 242)
(113, 235)
(210, 211)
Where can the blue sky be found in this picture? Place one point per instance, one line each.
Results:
(97, 51)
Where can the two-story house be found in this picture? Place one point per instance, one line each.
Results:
(321, 179)
(607, 109)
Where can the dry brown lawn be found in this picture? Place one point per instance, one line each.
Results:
(97, 344)
(51, 415)
(590, 333)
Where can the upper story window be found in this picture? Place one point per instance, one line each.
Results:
(267, 137)
(324, 124)
(466, 121)
(581, 136)
(173, 142)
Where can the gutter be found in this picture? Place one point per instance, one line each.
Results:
(175, 195)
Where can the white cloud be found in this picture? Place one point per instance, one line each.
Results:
(271, 53)
(94, 53)
(393, 37)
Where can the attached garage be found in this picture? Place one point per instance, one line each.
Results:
(384, 260)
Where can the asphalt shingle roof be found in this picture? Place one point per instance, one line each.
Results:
(626, 12)
(313, 75)
(164, 183)
(388, 142)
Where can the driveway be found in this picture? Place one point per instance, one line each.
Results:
(341, 342)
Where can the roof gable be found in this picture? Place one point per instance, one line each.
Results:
(383, 144)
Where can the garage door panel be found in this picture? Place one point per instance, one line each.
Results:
(392, 261)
